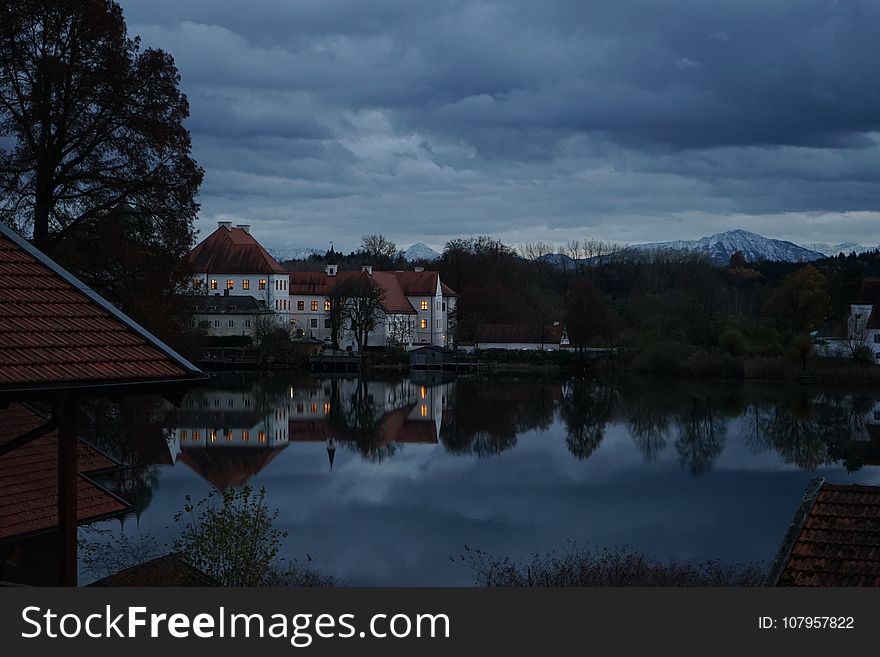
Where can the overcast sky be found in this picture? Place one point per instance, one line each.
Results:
(555, 120)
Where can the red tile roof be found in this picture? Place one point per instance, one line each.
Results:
(225, 467)
(447, 291)
(232, 251)
(418, 283)
(834, 540)
(519, 333)
(29, 479)
(394, 301)
(394, 427)
(55, 330)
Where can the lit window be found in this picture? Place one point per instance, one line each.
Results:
(246, 284)
(262, 283)
(424, 323)
(423, 411)
(245, 436)
(262, 437)
(197, 283)
(213, 283)
(230, 284)
(424, 305)
(328, 305)
(314, 306)
(300, 305)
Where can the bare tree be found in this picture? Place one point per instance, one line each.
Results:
(399, 331)
(381, 251)
(362, 312)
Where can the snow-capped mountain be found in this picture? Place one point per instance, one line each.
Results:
(754, 247)
(419, 251)
(845, 247)
(300, 253)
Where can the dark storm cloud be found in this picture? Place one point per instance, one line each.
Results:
(618, 120)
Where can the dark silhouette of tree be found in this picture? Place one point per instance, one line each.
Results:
(801, 302)
(99, 169)
(381, 252)
(362, 312)
(588, 320)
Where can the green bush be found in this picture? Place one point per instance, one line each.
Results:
(733, 343)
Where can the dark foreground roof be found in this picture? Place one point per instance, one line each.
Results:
(834, 539)
(169, 570)
(29, 479)
(55, 332)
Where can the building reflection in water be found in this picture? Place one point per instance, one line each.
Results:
(229, 433)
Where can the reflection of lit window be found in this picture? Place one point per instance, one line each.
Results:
(245, 436)
(228, 436)
(314, 408)
(424, 392)
(424, 410)
(262, 436)
(196, 436)
(213, 435)
(183, 434)
(326, 408)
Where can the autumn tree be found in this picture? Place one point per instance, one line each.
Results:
(801, 302)
(95, 162)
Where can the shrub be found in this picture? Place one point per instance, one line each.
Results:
(732, 342)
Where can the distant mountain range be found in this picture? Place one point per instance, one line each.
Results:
(835, 249)
(720, 246)
(417, 251)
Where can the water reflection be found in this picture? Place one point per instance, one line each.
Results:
(384, 479)
(230, 431)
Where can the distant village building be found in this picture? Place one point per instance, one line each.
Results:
(522, 337)
(860, 330)
(230, 262)
(230, 315)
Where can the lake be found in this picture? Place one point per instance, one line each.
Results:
(379, 482)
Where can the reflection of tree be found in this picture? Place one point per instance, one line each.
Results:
(585, 410)
(649, 428)
(356, 419)
(487, 416)
(701, 434)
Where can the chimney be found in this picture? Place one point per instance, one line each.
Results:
(245, 227)
(225, 224)
(367, 269)
(419, 269)
(330, 270)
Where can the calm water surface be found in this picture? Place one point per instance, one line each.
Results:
(381, 481)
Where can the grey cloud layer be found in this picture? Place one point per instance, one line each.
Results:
(618, 120)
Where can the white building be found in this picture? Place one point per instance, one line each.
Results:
(861, 328)
(230, 262)
(520, 337)
(417, 307)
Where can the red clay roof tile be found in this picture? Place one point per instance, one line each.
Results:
(232, 251)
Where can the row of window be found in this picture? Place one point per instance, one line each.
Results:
(230, 323)
(230, 283)
(280, 304)
(212, 436)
